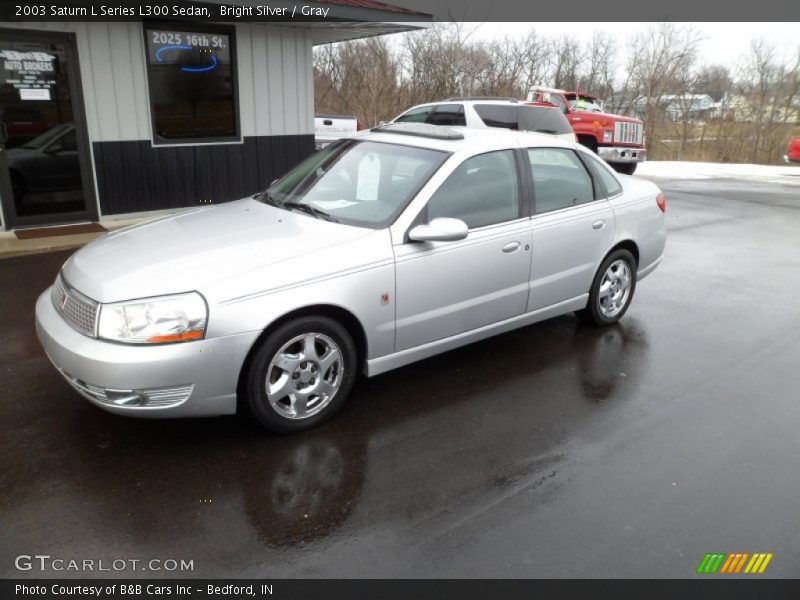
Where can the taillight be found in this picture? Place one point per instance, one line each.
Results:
(661, 200)
(359, 125)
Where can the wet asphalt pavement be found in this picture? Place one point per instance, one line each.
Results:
(553, 451)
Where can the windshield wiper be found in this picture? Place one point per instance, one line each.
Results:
(314, 212)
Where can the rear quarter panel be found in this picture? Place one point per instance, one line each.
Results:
(639, 219)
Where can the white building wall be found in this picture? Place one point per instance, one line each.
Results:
(275, 76)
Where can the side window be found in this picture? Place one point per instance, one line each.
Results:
(559, 179)
(610, 182)
(498, 115)
(416, 115)
(68, 142)
(483, 190)
(543, 120)
(448, 114)
(559, 101)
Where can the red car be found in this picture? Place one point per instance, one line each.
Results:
(793, 153)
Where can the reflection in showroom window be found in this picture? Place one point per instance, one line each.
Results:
(191, 77)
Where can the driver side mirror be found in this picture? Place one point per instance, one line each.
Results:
(439, 230)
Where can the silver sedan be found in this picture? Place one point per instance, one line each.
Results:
(380, 250)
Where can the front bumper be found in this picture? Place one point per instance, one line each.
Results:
(172, 380)
(622, 154)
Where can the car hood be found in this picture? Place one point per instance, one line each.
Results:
(15, 154)
(607, 116)
(198, 250)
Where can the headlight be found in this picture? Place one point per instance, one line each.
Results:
(164, 319)
(608, 136)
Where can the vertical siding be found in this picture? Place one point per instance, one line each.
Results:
(276, 95)
(276, 111)
(281, 93)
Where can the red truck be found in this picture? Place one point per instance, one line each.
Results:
(616, 139)
(793, 153)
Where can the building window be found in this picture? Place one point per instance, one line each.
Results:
(191, 75)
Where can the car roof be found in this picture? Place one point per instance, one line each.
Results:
(453, 139)
(503, 101)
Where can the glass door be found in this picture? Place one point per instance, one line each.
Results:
(44, 160)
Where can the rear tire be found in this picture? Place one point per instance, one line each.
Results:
(624, 168)
(300, 375)
(589, 142)
(612, 290)
(19, 189)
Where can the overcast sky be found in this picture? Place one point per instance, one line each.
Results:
(723, 43)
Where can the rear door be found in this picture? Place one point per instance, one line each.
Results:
(573, 226)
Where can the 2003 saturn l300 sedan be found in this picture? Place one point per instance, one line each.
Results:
(380, 250)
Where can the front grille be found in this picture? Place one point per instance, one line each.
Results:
(626, 132)
(76, 309)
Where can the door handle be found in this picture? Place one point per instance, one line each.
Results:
(511, 247)
(598, 224)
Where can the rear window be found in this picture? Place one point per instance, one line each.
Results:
(543, 119)
(498, 115)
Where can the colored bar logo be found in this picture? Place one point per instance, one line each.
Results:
(735, 563)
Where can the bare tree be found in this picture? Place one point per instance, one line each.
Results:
(757, 103)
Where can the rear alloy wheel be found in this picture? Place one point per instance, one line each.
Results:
(624, 168)
(301, 375)
(612, 289)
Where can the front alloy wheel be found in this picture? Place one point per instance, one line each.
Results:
(304, 376)
(301, 374)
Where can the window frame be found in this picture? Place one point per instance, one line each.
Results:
(596, 183)
(524, 203)
(229, 30)
(593, 169)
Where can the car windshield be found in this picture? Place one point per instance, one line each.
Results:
(42, 140)
(356, 182)
(586, 103)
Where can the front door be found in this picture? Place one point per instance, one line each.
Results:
(447, 288)
(44, 164)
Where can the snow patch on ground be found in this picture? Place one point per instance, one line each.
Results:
(663, 169)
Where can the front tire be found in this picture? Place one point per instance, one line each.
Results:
(624, 168)
(301, 374)
(612, 289)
